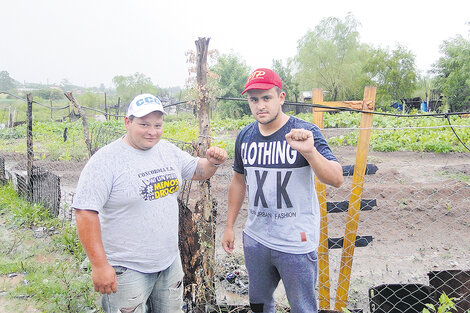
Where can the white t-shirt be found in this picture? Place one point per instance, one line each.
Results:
(135, 193)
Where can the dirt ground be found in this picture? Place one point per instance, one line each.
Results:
(421, 222)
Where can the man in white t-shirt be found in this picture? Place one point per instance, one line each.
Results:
(127, 212)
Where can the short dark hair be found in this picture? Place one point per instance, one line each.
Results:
(276, 88)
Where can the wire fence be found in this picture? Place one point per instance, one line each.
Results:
(414, 222)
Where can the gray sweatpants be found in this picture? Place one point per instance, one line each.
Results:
(266, 267)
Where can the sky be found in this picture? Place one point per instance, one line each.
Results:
(88, 42)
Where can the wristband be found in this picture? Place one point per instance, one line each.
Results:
(215, 165)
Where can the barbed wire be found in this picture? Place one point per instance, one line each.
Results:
(395, 128)
(50, 107)
(436, 115)
(443, 115)
(44, 105)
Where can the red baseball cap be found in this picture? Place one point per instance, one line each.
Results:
(264, 79)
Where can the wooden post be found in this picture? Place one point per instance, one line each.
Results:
(117, 108)
(202, 45)
(10, 118)
(86, 131)
(204, 207)
(29, 146)
(105, 108)
(51, 109)
(355, 199)
(323, 260)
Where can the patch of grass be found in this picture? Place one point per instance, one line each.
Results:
(58, 287)
(49, 267)
(456, 176)
(21, 212)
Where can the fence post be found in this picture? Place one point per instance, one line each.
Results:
(355, 198)
(323, 258)
(86, 131)
(11, 116)
(105, 108)
(29, 146)
(204, 207)
(117, 108)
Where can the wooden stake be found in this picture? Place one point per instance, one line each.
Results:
(355, 200)
(29, 145)
(323, 259)
(204, 216)
(105, 108)
(117, 108)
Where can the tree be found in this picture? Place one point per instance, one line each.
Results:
(331, 57)
(290, 86)
(54, 93)
(6, 82)
(91, 100)
(453, 72)
(394, 73)
(232, 73)
(127, 87)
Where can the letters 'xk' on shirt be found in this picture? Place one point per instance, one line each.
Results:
(283, 209)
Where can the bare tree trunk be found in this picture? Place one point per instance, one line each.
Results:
(203, 108)
(203, 288)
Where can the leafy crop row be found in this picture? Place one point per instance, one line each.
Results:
(65, 141)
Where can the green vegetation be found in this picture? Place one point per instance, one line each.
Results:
(446, 305)
(46, 254)
(127, 87)
(331, 56)
(65, 142)
(453, 73)
(231, 75)
(400, 134)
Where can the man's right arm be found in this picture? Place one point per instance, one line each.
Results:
(236, 195)
(89, 232)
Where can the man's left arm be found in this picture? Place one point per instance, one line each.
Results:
(207, 166)
(328, 171)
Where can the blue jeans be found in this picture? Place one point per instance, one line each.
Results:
(266, 267)
(162, 291)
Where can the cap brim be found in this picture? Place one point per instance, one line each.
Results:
(261, 86)
(145, 112)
